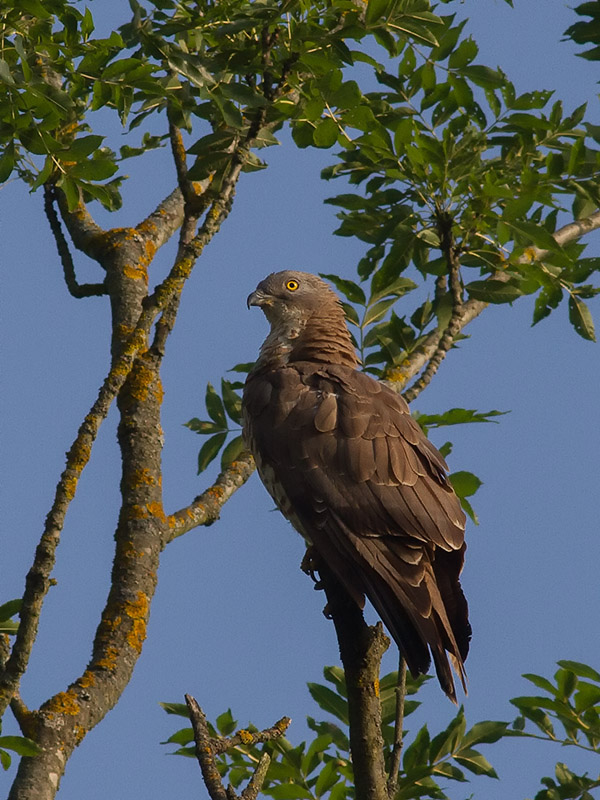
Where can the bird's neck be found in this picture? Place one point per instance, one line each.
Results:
(324, 338)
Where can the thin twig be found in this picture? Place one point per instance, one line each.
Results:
(247, 738)
(76, 289)
(207, 748)
(204, 751)
(398, 729)
(453, 328)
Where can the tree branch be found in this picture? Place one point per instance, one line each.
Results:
(471, 309)
(76, 289)
(206, 508)
(158, 227)
(86, 235)
(448, 247)
(392, 783)
(208, 747)
(204, 751)
(248, 738)
(361, 649)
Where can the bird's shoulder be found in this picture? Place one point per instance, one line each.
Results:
(339, 402)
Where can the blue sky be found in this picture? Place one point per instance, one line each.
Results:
(234, 621)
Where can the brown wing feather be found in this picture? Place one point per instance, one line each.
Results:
(350, 468)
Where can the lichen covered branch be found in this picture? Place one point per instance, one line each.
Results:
(450, 251)
(207, 748)
(205, 509)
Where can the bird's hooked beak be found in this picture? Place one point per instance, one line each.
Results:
(258, 298)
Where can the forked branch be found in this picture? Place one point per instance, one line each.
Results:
(208, 747)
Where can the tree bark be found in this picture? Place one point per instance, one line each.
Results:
(361, 650)
(63, 720)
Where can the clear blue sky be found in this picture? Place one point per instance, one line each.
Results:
(234, 621)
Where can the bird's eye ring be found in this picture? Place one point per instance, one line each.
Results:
(292, 285)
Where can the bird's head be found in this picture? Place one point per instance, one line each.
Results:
(291, 296)
(306, 316)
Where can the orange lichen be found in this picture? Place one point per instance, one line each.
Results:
(109, 662)
(376, 687)
(63, 703)
(137, 635)
(136, 512)
(136, 272)
(137, 610)
(139, 477)
(78, 456)
(80, 733)
(70, 485)
(156, 510)
(396, 375)
(123, 330)
(87, 679)
(140, 381)
(245, 736)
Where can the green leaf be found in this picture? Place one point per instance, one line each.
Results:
(7, 162)
(582, 670)
(231, 400)
(290, 791)
(548, 298)
(95, 169)
(540, 682)
(326, 133)
(214, 406)
(182, 736)
(581, 318)
(465, 484)
(329, 701)
(377, 311)
(475, 762)
(375, 10)
(417, 753)
(20, 745)
(81, 148)
(313, 755)
(537, 234)
(456, 416)
(232, 451)
(225, 723)
(348, 288)
(328, 777)
(587, 695)
(202, 426)
(210, 450)
(493, 291)
(179, 709)
(484, 76)
(486, 732)
(10, 608)
(465, 53)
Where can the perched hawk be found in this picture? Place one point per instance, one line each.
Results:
(351, 470)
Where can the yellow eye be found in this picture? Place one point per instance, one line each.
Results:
(292, 285)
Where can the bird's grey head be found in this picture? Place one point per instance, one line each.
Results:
(291, 296)
(307, 320)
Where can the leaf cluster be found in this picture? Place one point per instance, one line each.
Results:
(568, 714)
(322, 767)
(221, 409)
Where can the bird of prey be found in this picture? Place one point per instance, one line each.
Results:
(352, 471)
